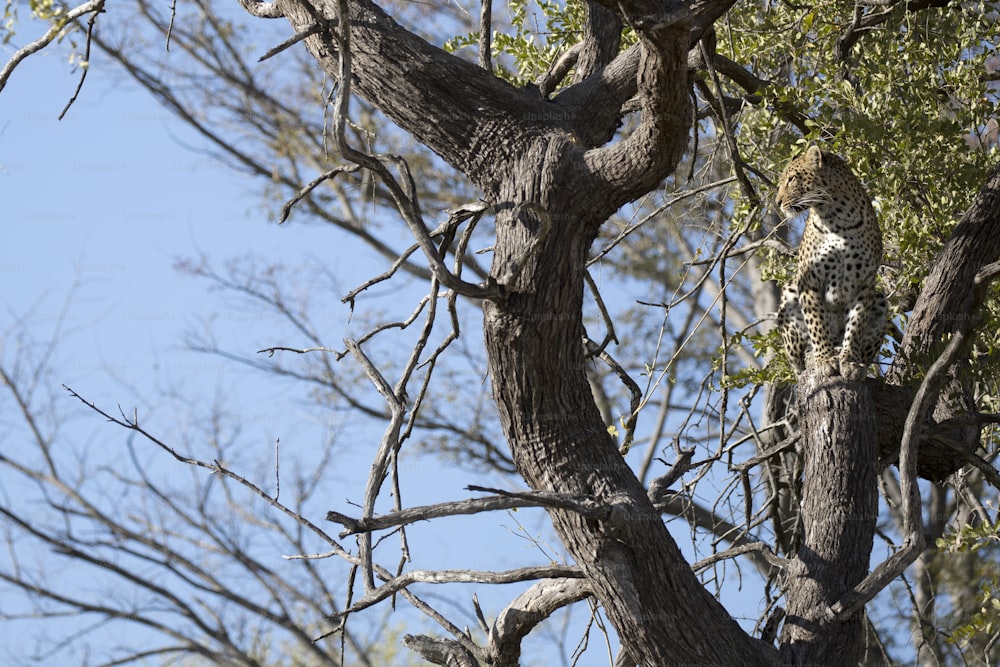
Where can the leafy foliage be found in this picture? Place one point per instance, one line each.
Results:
(980, 543)
(540, 32)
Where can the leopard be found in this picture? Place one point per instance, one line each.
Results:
(831, 316)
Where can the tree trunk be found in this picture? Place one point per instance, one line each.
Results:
(662, 613)
(838, 516)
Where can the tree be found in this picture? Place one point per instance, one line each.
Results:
(553, 161)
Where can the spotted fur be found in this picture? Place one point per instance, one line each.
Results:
(831, 316)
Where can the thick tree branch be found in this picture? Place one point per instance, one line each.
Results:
(594, 105)
(462, 112)
(837, 517)
(525, 612)
(261, 9)
(633, 166)
(601, 40)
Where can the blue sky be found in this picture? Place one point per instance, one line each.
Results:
(97, 208)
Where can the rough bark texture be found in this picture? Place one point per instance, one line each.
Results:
(537, 369)
(936, 460)
(552, 182)
(838, 515)
(559, 442)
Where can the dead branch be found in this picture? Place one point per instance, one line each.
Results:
(529, 609)
(411, 515)
(406, 579)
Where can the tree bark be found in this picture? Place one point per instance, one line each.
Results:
(838, 515)
(662, 613)
(551, 195)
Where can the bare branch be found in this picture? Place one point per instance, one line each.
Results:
(634, 391)
(460, 507)
(292, 41)
(403, 194)
(527, 610)
(85, 65)
(759, 547)
(558, 70)
(398, 583)
(306, 350)
(58, 26)
(132, 424)
(655, 215)
(312, 185)
(581, 505)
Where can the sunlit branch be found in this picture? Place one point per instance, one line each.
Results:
(403, 194)
(58, 26)
(406, 579)
(510, 500)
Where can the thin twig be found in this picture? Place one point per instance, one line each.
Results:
(390, 440)
(609, 324)
(277, 468)
(313, 29)
(170, 25)
(653, 215)
(132, 424)
(760, 547)
(51, 34)
(635, 391)
(738, 165)
(297, 350)
(312, 185)
(85, 67)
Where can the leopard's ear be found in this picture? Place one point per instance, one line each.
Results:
(814, 156)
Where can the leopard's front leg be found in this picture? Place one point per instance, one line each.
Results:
(792, 326)
(824, 339)
(864, 327)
